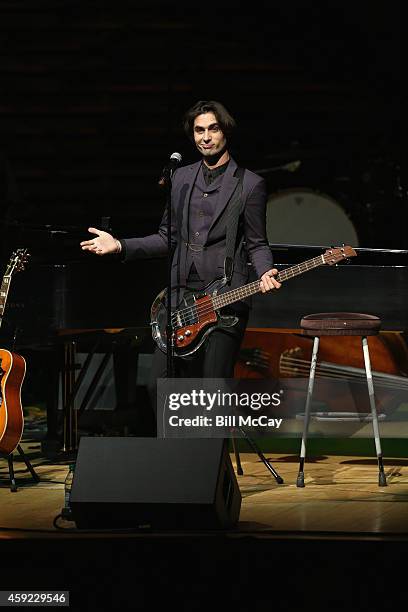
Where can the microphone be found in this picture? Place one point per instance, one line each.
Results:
(167, 172)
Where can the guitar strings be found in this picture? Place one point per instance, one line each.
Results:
(337, 369)
(330, 371)
(190, 314)
(282, 276)
(246, 291)
(206, 308)
(203, 309)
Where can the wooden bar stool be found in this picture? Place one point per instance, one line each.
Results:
(340, 324)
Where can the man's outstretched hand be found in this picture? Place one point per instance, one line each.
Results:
(268, 281)
(102, 244)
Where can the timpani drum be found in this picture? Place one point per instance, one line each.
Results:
(304, 216)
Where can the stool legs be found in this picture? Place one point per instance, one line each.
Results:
(382, 481)
(300, 482)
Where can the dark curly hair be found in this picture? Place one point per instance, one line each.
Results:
(224, 119)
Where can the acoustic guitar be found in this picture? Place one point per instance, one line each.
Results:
(12, 371)
(199, 313)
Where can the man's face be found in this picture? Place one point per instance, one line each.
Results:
(208, 137)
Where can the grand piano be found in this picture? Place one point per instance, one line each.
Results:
(92, 293)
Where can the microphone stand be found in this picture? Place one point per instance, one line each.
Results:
(169, 326)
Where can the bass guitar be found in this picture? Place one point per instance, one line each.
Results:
(12, 371)
(199, 313)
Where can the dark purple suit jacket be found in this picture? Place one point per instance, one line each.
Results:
(251, 240)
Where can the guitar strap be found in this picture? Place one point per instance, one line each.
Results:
(235, 209)
(179, 224)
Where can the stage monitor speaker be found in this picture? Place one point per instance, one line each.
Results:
(154, 483)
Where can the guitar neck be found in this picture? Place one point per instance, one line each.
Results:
(4, 289)
(234, 295)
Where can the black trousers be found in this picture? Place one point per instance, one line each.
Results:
(215, 359)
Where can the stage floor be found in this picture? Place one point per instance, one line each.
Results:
(341, 497)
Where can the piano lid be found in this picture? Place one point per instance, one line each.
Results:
(374, 282)
(293, 253)
(100, 293)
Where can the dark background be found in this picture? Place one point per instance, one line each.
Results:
(92, 94)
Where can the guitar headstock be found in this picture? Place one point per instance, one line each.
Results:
(333, 256)
(17, 261)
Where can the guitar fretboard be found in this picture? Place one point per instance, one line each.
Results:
(247, 290)
(5, 285)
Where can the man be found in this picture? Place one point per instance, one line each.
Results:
(200, 196)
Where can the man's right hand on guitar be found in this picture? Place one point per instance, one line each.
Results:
(102, 244)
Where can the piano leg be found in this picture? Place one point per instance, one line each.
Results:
(52, 441)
